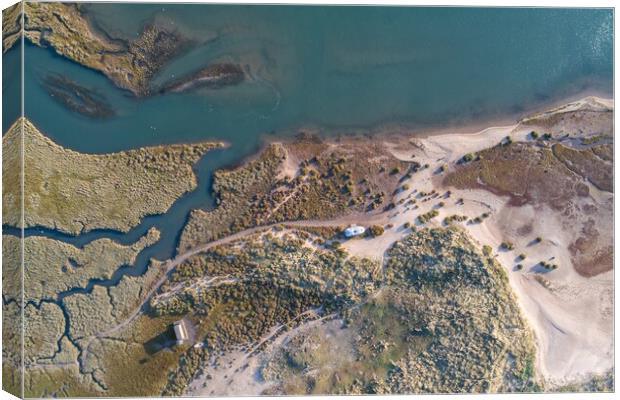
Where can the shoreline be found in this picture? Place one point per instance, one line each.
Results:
(515, 118)
(463, 126)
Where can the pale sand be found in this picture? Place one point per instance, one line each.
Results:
(572, 319)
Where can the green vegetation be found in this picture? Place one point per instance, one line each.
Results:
(259, 283)
(239, 193)
(454, 218)
(506, 141)
(257, 194)
(548, 266)
(424, 218)
(468, 157)
(45, 326)
(373, 336)
(11, 333)
(138, 364)
(507, 246)
(441, 261)
(74, 192)
(117, 363)
(418, 334)
(376, 230)
(55, 266)
(588, 164)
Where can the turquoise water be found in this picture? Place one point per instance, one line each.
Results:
(337, 69)
(340, 69)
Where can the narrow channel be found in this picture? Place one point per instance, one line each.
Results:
(170, 224)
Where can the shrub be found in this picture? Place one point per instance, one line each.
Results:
(521, 256)
(394, 171)
(548, 266)
(454, 217)
(376, 230)
(519, 267)
(534, 135)
(424, 218)
(506, 246)
(506, 141)
(468, 157)
(487, 250)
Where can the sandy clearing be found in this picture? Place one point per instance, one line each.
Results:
(239, 373)
(290, 167)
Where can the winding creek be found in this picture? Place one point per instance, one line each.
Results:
(169, 224)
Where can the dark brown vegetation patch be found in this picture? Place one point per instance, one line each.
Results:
(587, 255)
(588, 164)
(526, 172)
(530, 173)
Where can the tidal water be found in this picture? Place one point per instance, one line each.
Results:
(341, 69)
(337, 69)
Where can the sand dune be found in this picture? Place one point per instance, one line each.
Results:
(572, 317)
